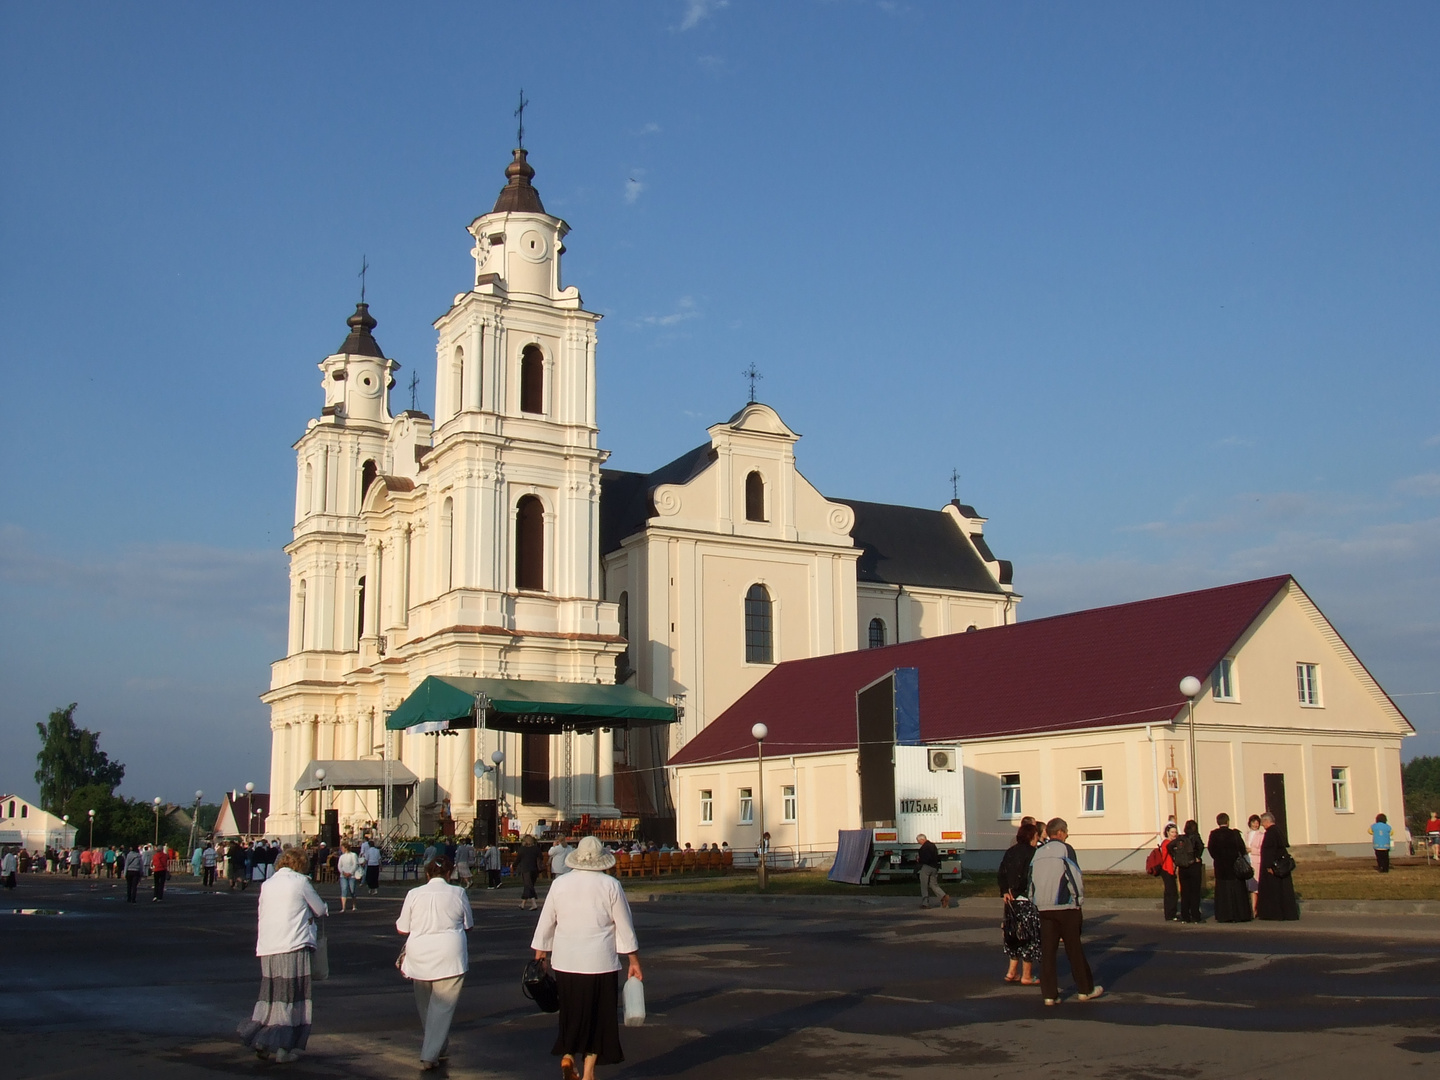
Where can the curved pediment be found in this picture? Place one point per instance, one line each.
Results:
(759, 419)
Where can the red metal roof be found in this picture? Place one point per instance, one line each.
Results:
(1105, 667)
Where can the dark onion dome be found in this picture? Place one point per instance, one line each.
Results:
(519, 196)
(360, 342)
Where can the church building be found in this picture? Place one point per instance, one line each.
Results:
(490, 543)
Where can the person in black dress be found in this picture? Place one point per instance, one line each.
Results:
(1021, 925)
(527, 866)
(1277, 890)
(1232, 898)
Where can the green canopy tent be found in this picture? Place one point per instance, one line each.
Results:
(453, 702)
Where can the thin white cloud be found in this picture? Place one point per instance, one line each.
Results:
(1234, 441)
(634, 186)
(697, 11)
(1434, 440)
(1426, 485)
(684, 310)
(651, 128)
(188, 583)
(712, 64)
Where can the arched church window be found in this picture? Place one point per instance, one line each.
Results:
(759, 647)
(877, 633)
(530, 543)
(532, 380)
(447, 544)
(307, 497)
(300, 617)
(368, 472)
(755, 497)
(360, 612)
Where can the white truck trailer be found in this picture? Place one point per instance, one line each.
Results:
(907, 788)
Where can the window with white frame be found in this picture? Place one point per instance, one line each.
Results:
(1010, 795)
(747, 807)
(707, 807)
(791, 805)
(1222, 683)
(1092, 791)
(1307, 683)
(1340, 788)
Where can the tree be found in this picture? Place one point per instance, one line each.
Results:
(1421, 779)
(70, 758)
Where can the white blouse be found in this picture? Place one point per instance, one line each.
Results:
(585, 924)
(288, 907)
(435, 916)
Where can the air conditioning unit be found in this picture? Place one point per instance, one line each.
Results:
(942, 760)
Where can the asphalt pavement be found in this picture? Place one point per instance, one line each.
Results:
(93, 987)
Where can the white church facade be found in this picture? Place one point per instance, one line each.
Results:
(491, 542)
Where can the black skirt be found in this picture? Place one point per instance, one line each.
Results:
(589, 1016)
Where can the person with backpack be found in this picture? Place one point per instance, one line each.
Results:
(1188, 850)
(1232, 871)
(1161, 864)
(1057, 889)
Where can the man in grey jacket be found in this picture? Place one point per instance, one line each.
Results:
(1058, 890)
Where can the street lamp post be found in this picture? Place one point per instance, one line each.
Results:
(91, 813)
(762, 849)
(498, 757)
(1190, 686)
(250, 812)
(321, 802)
(195, 820)
(156, 801)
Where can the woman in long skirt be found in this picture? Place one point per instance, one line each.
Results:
(1277, 890)
(1226, 846)
(279, 1027)
(527, 865)
(585, 926)
(1020, 928)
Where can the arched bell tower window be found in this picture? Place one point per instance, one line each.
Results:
(360, 612)
(530, 544)
(300, 617)
(877, 633)
(447, 544)
(532, 380)
(759, 637)
(368, 473)
(755, 497)
(623, 670)
(457, 380)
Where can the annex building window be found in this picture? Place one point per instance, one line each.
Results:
(747, 807)
(1010, 795)
(759, 639)
(1340, 788)
(1307, 683)
(707, 806)
(790, 803)
(877, 633)
(1092, 791)
(1222, 682)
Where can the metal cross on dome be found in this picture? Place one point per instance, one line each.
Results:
(364, 268)
(753, 374)
(520, 114)
(955, 483)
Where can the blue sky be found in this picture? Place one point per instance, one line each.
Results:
(1160, 282)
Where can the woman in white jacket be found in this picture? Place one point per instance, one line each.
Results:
(585, 926)
(285, 944)
(435, 918)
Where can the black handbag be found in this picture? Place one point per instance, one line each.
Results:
(1284, 865)
(1244, 871)
(538, 984)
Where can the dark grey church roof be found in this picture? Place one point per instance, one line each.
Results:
(907, 545)
(901, 545)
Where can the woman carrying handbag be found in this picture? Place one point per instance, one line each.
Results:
(585, 927)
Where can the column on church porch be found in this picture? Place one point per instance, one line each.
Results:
(462, 778)
(372, 590)
(605, 747)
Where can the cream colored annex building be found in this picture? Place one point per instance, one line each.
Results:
(1080, 716)
(489, 542)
